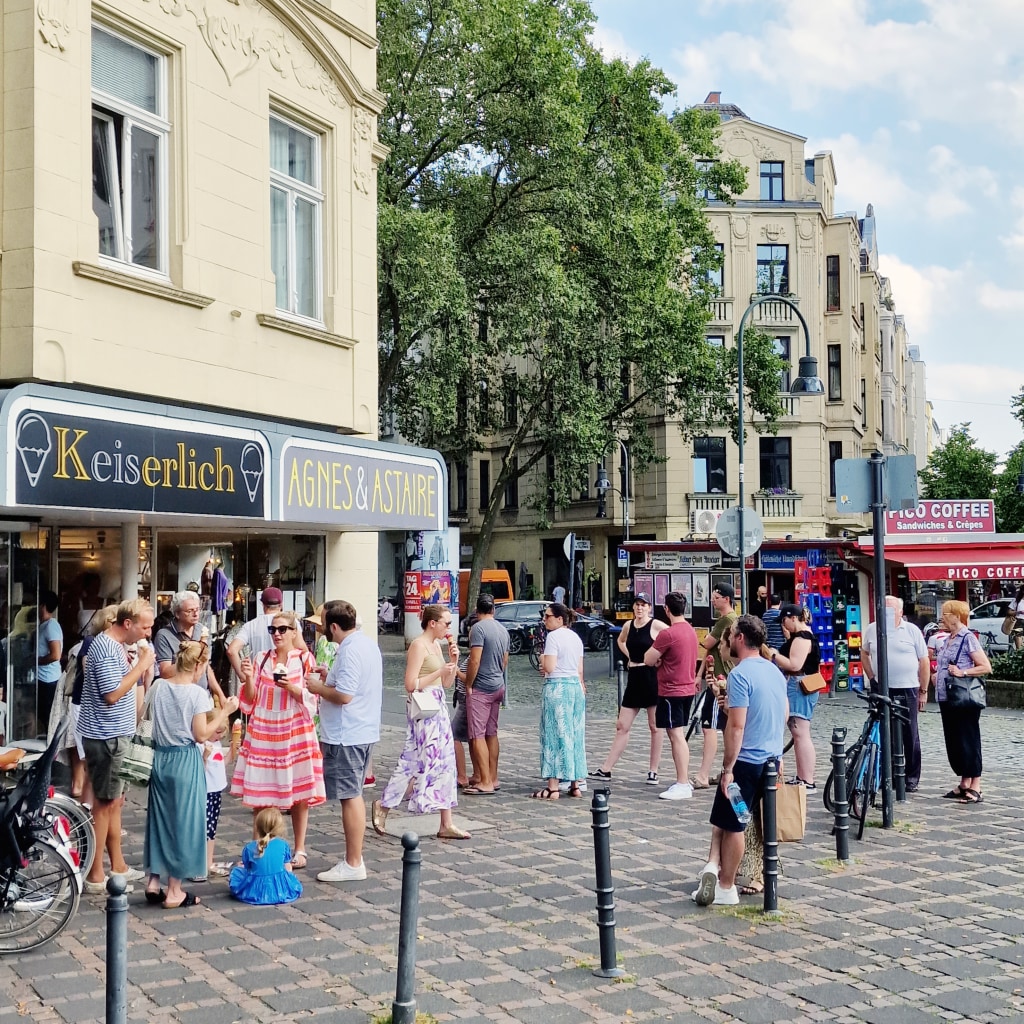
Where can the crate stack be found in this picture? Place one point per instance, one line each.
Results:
(842, 670)
(847, 629)
(813, 587)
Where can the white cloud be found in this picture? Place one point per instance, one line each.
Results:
(1015, 241)
(917, 290)
(613, 44)
(1000, 300)
(976, 394)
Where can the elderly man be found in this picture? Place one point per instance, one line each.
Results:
(909, 671)
(253, 639)
(185, 607)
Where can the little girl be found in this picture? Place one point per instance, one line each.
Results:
(216, 783)
(265, 874)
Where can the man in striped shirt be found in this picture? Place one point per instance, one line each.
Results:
(107, 720)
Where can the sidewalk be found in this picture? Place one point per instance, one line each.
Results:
(924, 925)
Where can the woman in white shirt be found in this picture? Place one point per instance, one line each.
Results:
(1017, 636)
(563, 705)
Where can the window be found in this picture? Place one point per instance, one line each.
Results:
(510, 393)
(835, 453)
(484, 406)
(485, 483)
(716, 340)
(773, 269)
(461, 486)
(832, 283)
(716, 275)
(512, 487)
(771, 180)
(835, 373)
(781, 347)
(296, 216)
(709, 465)
(704, 191)
(776, 463)
(863, 403)
(549, 479)
(584, 484)
(129, 151)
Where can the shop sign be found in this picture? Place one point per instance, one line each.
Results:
(949, 518)
(360, 488)
(65, 455)
(986, 571)
(785, 560)
(413, 602)
(662, 560)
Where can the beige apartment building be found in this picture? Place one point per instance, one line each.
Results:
(782, 236)
(188, 355)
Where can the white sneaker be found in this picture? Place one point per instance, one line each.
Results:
(343, 872)
(131, 875)
(677, 791)
(565, 785)
(707, 888)
(726, 897)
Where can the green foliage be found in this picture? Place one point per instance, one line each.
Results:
(1009, 666)
(959, 468)
(1010, 504)
(1017, 405)
(543, 253)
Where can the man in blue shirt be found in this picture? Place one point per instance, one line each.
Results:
(773, 622)
(49, 646)
(756, 698)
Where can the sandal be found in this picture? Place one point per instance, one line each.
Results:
(575, 791)
(971, 796)
(299, 860)
(751, 890)
(189, 901)
(453, 833)
(219, 870)
(379, 817)
(698, 784)
(544, 794)
(156, 897)
(956, 793)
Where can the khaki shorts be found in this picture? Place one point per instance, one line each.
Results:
(104, 759)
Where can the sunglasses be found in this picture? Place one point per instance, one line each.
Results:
(278, 629)
(549, 615)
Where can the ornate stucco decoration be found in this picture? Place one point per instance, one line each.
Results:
(54, 24)
(761, 149)
(773, 232)
(364, 131)
(740, 225)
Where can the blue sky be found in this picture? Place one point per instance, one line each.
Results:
(922, 106)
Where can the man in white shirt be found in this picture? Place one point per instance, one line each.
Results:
(909, 671)
(351, 695)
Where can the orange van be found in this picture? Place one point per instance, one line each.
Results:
(495, 582)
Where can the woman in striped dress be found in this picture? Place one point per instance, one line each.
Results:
(280, 764)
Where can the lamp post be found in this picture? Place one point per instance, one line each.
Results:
(807, 383)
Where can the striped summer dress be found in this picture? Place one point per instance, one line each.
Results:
(280, 763)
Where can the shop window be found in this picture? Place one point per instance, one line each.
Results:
(776, 463)
(709, 475)
(296, 217)
(129, 151)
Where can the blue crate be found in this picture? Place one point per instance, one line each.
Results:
(853, 618)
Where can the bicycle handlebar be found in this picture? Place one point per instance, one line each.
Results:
(877, 698)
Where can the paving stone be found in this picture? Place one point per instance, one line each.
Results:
(903, 1014)
(966, 1001)
(897, 979)
(832, 995)
(769, 972)
(965, 966)
(76, 1011)
(697, 985)
(759, 1011)
(836, 958)
(300, 999)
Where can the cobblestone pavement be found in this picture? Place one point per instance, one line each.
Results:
(924, 925)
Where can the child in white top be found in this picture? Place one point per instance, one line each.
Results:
(216, 783)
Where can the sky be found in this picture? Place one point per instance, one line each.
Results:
(921, 103)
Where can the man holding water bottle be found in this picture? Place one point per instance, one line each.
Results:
(753, 738)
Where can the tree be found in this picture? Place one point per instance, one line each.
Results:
(959, 468)
(544, 256)
(1009, 503)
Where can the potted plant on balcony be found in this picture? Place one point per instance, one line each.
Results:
(774, 492)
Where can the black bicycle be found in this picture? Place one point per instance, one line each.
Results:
(864, 762)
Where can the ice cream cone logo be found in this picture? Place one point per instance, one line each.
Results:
(251, 465)
(33, 444)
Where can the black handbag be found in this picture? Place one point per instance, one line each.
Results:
(964, 691)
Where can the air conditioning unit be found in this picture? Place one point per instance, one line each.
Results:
(705, 520)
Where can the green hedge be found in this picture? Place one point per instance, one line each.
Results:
(1009, 666)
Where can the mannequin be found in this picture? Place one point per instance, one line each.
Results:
(221, 591)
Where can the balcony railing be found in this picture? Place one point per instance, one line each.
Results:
(710, 502)
(778, 506)
(721, 311)
(775, 312)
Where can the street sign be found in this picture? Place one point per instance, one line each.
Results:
(728, 532)
(582, 544)
(568, 546)
(853, 483)
(623, 558)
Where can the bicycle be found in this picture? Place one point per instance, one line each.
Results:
(864, 762)
(40, 887)
(989, 642)
(81, 835)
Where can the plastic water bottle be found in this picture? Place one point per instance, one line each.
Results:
(739, 805)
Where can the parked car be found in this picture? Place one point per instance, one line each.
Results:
(594, 632)
(517, 617)
(988, 618)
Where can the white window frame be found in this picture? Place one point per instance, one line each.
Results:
(314, 194)
(103, 105)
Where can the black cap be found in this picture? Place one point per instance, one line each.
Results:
(725, 589)
(642, 596)
(791, 611)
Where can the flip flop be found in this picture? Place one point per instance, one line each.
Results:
(544, 794)
(473, 791)
(156, 897)
(189, 901)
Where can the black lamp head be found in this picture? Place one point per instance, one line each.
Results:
(808, 382)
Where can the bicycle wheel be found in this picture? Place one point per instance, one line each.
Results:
(864, 787)
(83, 835)
(828, 796)
(535, 653)
(39, 899)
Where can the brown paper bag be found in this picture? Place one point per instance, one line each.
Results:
(791, 812)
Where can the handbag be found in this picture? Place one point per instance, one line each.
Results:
(790, 813)
(964, 691)
(422, 704)
(813, 683)
(1010, 622)
(137, 766)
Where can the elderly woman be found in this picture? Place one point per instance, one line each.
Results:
(961, 657)
(799, 656)
(427, 761)
(280, 764)
(562, 705)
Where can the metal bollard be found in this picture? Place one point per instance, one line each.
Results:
(899, 757)
(605, 888)
(840, 798)
(117, 949)
(621, 674)
(504, 699)
(770, 826)
(403, 1009)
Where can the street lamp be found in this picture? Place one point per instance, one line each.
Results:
(603, 485)
(807, 383)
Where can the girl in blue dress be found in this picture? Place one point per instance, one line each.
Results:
(265, 875)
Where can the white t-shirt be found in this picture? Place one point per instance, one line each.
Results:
(905, 646)
(255, 637)
(213, 760)
(357, 670)
(568, 650)
(1020, 609)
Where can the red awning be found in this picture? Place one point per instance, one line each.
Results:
(956, 561)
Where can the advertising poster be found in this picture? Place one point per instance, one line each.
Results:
(411, 593)
(701, 590)
(436, 587)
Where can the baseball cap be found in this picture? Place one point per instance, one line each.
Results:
(272, 596)
(642, 596)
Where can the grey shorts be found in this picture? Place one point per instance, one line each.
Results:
(345, 769)
(104, 759)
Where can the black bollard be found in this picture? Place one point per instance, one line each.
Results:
(770, 826)
(117, 949)
(621, 673)
(840, 798)
(605, 888)
(403, 1009)
(899, 758)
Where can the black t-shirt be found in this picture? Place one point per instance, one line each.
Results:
(813, 659)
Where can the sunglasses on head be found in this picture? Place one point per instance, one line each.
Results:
(277, 629)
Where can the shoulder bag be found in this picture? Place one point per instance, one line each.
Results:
(422, 704)
(964, 691)
(137, 766)
(813, 683)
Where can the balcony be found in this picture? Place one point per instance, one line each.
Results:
(790, 408)
(710, 502)
(778, 506)
(775, 314)
(721, 311)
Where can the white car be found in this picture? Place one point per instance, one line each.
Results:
(988, 618)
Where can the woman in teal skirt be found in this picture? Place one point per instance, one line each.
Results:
(175, 845)
(562, 705)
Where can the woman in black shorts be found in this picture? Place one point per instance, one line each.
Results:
(641, 689)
